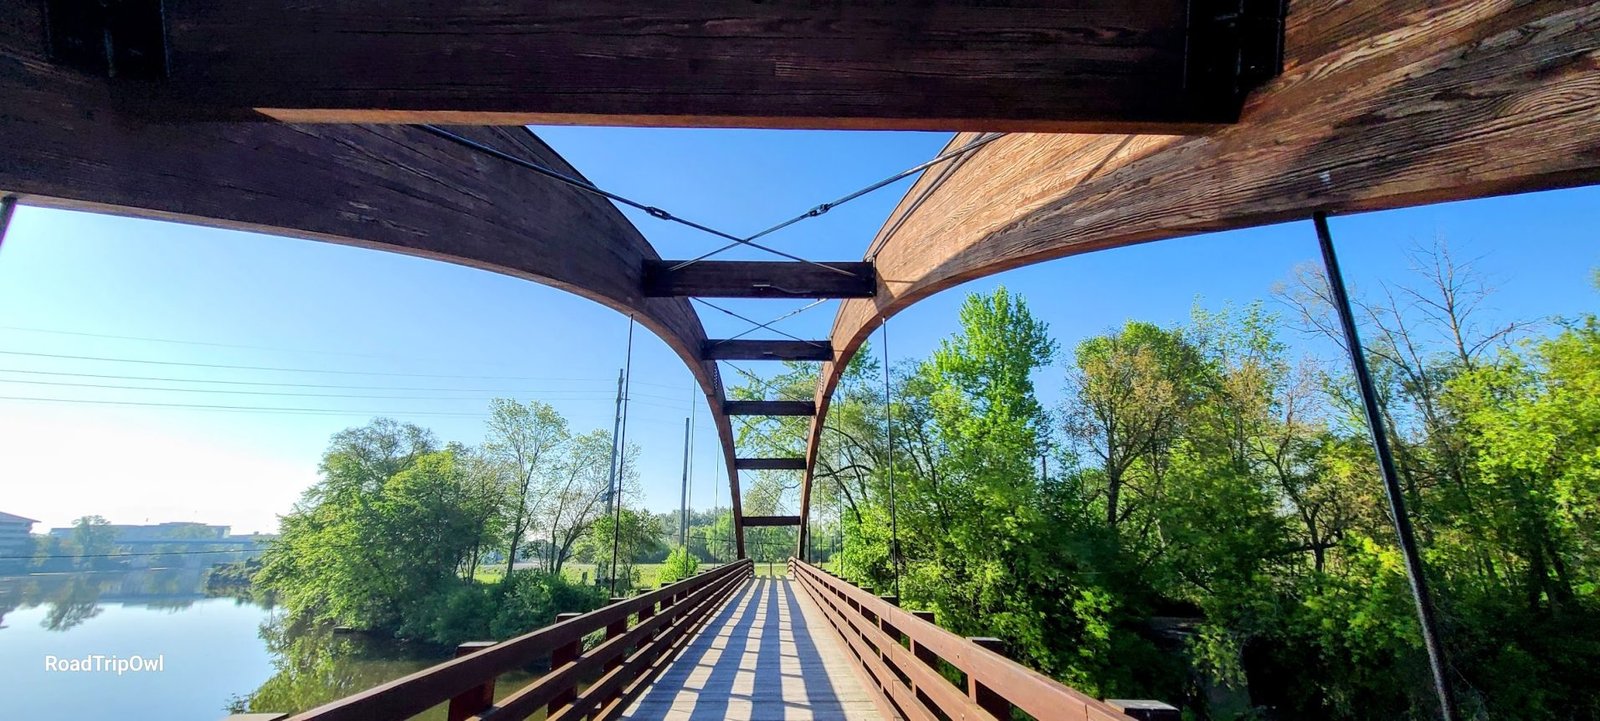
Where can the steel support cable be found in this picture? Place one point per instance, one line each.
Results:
(767, 325)
(1415, 571)
(888, 430)
(8, 207)
(589, 187)
(825, 207)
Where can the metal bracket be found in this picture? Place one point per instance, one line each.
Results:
(1234, 47)
(113, 38)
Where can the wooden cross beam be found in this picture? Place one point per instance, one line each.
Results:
(770, 464)
(797, 350)
(770, 521)
(1097, 66)
(769, 408)
(759, 279)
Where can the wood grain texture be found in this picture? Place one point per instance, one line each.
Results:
(69, 142)
(1091, 65)
(758, 279)
(1381, 105)
(796, 350)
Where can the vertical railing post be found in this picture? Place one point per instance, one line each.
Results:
(1145, 710)
(982, 695)
(647, 612)
(477, 699)
(926, 656)
(614, 629)
(561, 656)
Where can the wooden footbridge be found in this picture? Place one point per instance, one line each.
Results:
(1080, 125)
(726, 645)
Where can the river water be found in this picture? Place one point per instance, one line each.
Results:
(215, 655)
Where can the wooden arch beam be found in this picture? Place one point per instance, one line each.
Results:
(65, 143)
(1381, 105)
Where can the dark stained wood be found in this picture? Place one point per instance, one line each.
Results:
(76, 142)
(795, 350)
(770, 464)
(561, 643)
(769, 408)
(1087, 66)
(770, 521)
(474, 700)
(1380, 105)
(758, 279)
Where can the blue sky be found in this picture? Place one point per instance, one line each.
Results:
(352, 332)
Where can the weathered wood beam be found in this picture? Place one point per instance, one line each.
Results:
(794, 350)
(1381, 105)
(770, 521)
(759, 279)
(72, 140)
(769, 408)
(1084, 66)
(798, 463)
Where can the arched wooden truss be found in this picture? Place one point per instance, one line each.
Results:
(1132, 121)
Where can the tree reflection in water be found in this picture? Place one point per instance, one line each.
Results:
(315, 665)
(74, 602)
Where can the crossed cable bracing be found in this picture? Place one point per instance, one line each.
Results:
(734, 240)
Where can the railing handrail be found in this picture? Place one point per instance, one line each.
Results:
(1034, 693)
(412, 694)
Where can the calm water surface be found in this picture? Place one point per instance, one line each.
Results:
(217, 653)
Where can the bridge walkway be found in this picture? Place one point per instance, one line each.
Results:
(767, 655)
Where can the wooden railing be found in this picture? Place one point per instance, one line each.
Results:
(911, 661)
(598, 683)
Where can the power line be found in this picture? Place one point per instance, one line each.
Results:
(280, 384)
(278, 394)
(279, 369)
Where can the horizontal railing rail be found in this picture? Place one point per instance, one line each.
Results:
(902, 651)
(593, 683)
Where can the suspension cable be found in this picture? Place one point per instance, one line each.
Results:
(589, 187)
(819, 210)
(888, 428)
(759, 326)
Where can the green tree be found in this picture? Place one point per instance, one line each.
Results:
(527, 440)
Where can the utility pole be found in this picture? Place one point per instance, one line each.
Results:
(611, 476)
(622, 458)
(683, 502)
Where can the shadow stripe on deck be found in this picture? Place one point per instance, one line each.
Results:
(758, 660)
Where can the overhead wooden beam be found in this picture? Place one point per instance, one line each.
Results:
(798, 463)
(72, 140)
(793, 350)
(1085, 66)
(769, 408)
(1381, 105)
(770, 521)
(759, 279)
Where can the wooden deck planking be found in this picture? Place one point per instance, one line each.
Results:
(766, 656)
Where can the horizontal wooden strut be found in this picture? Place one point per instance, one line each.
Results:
(770, 521)
(798, 463)
(759, 279)
(769, 408)
(795, 350)
(1084, 66)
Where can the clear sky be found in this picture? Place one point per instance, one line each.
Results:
(284, 342)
